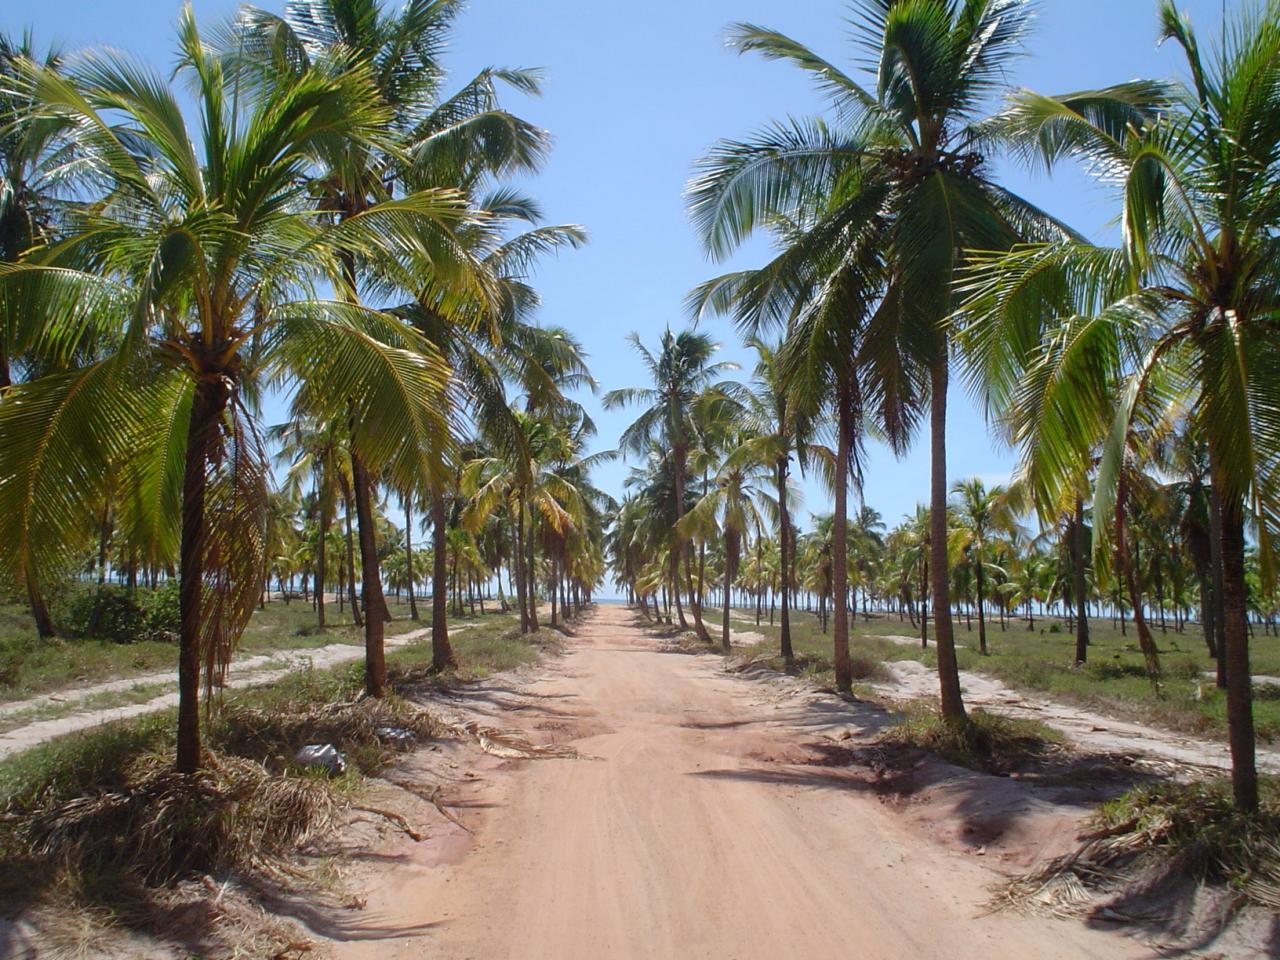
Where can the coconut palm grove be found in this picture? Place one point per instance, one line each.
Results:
(332, 624)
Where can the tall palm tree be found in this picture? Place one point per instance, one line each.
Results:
(40, 171)
(680, 372)
(437, 142)
(212, 247)
(1183, 306)
(900, 176)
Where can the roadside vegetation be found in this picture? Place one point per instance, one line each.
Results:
(1113, 681)
(99, 821)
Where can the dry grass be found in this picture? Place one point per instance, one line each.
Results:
(1154, 839)
(235, 815)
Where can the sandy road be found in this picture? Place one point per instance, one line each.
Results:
(692, 834)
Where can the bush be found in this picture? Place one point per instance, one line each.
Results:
(111, 612)
(1116, 670)
(1055, 628)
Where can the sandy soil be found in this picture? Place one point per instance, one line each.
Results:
(702, 824)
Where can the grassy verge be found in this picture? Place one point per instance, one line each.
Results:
(988, 743)
(99, 820)
(30, 666)
(1114, 681)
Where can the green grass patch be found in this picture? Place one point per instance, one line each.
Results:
(1113, 681)
(30, 666)
(985, 742)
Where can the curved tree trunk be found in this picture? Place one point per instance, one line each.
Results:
(375, 605)
(944, 639)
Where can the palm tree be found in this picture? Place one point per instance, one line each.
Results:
(783, 431)
(981, 514)
(899, 176)
(1184, 305)
(39, 174)
(438, 142)
(680, 372)
(732, 498)
(203, 243)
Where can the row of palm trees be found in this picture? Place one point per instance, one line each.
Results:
(901, 263)
(997, 566)
(325, 222)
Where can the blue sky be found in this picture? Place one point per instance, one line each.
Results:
(634, 94)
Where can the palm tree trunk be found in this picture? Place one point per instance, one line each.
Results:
(531, 578)
(944, 639)
(39, 610)
(374, 603)
(517, 565)
(1146, 643)
(924, 599)
(322, 542)
(1218, 611)
(441, 650)
(730, 572)
(1240, 732)
(211, 397)
(1078, 550)
(675, 587)
(408, 554)
(982, 619)
(840, 537)
(784, 522)
(699, 628)
(356, 615)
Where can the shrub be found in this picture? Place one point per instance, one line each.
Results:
(112, 612)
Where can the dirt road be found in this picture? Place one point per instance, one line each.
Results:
(695, 831)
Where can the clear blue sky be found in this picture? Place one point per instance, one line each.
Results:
(634, 93)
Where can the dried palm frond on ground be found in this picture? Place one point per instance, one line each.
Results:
(275, 732)
(233, 816)
(512, 745)
(1156, 837)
